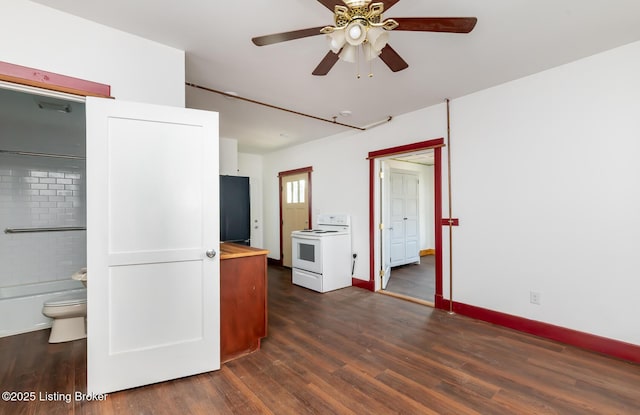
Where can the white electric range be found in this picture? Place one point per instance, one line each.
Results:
(321, 257)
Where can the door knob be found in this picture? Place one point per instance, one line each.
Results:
(211, 253)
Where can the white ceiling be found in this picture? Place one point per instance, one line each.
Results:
(512, 39)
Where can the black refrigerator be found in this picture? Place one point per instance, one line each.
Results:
(235, 212)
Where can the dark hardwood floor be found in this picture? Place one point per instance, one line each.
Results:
(348, 352)
(415, 280)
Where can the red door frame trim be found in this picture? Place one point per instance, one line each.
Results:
(307, 170)
(436, 145)
(48, 80)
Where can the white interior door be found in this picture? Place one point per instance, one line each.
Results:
(411, 216)
(404, 209)
(152, 213)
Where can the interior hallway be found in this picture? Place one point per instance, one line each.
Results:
(349, 351)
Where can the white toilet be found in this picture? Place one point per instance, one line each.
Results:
(69, 313)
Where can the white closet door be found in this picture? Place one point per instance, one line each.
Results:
(404, 210)
(152, 214)
(411, 215)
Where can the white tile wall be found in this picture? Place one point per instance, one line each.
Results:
(41, 192)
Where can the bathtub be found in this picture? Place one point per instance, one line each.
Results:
(21, 306)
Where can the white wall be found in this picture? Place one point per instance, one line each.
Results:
(229, 157)
(250, 165)
(545, 179)
(546, 184)
(137, 69)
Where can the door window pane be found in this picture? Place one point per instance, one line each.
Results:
(296, 191)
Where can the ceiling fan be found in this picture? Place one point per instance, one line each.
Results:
(360, 28)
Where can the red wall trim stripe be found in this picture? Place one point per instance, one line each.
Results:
(367, 285)
(48, 80)
(592, 342)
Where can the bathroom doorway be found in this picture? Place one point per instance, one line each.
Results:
(42, 203)
(140, 237)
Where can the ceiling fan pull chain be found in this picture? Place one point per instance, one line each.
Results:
(358, 62)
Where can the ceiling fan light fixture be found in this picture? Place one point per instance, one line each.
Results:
(349, 53)
(336, 40)
(377, 37)
(369, 52)
(360, 23)
(356, 32)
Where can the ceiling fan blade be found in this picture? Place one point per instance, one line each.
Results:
(392, 59)
(436, 24)
(331, 4)
(326, 64)
(285, 36)
(389, 4)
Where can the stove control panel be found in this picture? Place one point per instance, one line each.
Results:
(334, 219)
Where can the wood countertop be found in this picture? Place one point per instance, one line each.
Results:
(229, 250)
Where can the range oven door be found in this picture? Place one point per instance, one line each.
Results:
(307, 253)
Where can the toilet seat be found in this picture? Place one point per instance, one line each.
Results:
(67, 300)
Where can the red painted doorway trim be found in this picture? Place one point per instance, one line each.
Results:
(436, 145)
(23, 75)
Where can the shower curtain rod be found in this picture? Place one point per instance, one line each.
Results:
(31, 153)
(57, 229)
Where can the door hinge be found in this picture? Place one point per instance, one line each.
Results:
(381, 226)
(381, 174)
(381, 273)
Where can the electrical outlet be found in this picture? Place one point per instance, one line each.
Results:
(534, 297)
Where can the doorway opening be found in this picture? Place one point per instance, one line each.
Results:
(43, 189)
(405, 221)
(42, 203)
(408, 239)
(295, 208)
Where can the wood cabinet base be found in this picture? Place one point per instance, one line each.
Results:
(243, 305)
